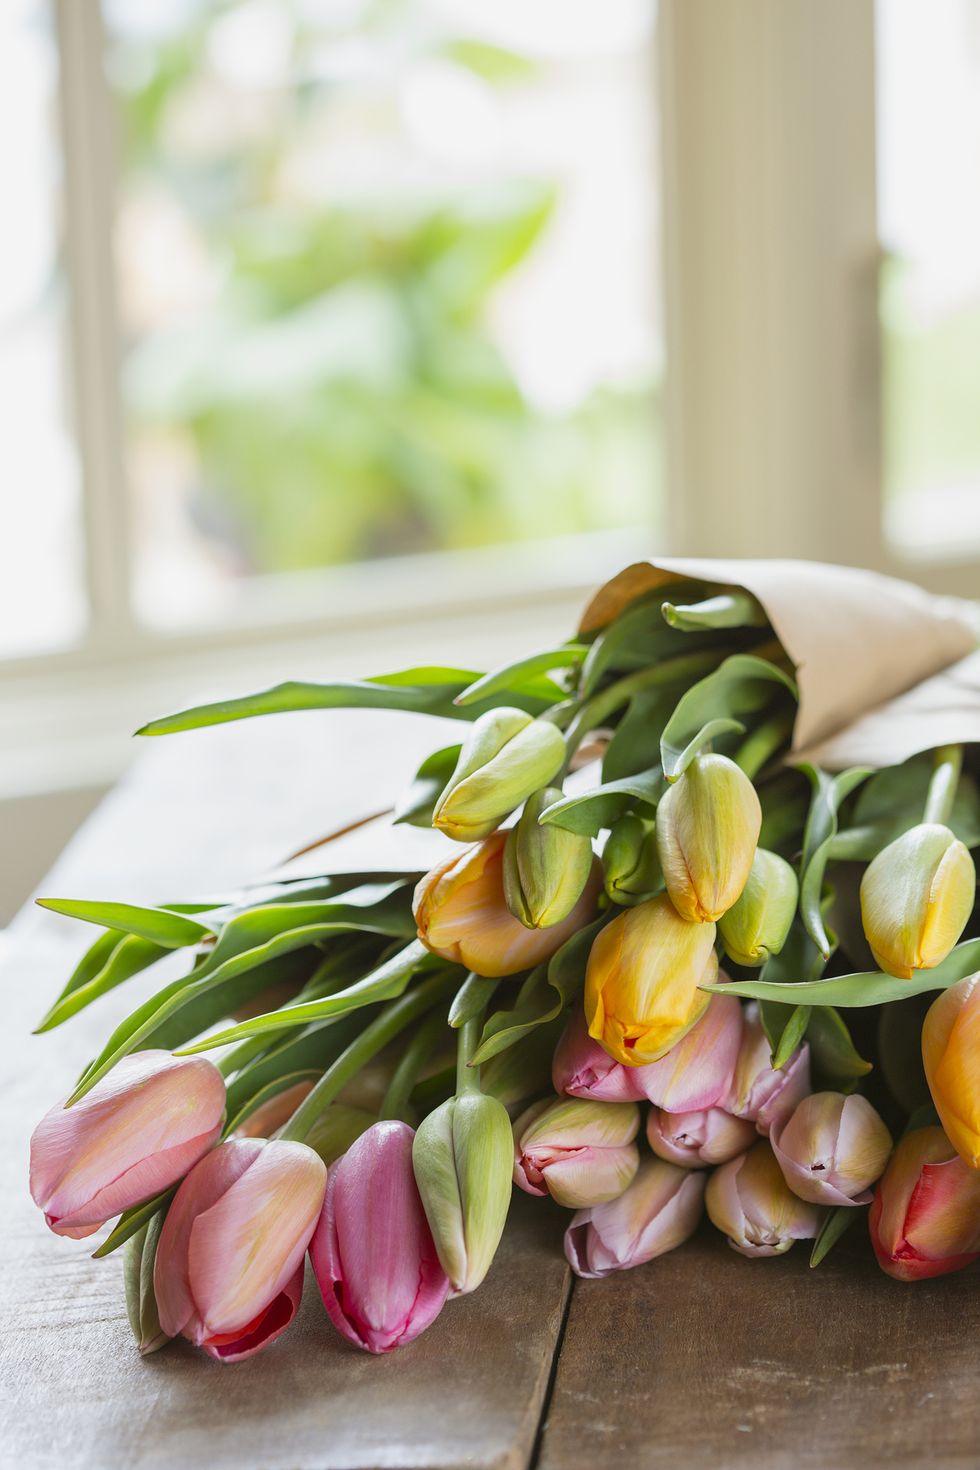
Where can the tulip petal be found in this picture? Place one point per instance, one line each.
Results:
(697, 1071)
(263, 1330)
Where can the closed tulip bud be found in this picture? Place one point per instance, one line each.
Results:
(642, 979)
(464, 1158)
(832, 1148)
(505, 757)
(581, 1153)
(759, 920)
(229, 1266)
(925, 1218)
(709, 1136)
(630, 863)
(759, 1092)
(546, 868)
(462, 914)
(697, 1072)
(748, 1200)
(133, 1135)
(373, 1254)
(916, 897)
(659, 1211)
(708, 825)
(951, 1057)
(583, 1068)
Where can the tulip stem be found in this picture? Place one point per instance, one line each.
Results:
(762, 743)
(395, 1102)
(468, 1076)
(393, 1019)
(594, 711)
(947, 764)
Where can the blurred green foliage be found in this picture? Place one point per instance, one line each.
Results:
(342, 393)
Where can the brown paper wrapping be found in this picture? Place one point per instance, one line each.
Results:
(858, 640)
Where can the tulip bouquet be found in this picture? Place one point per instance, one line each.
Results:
(650, 912)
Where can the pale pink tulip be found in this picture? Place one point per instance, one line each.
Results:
(697, 1072)
(748, 1200)
(925, 1219)
(832, 1148)
(581, 1153)
(229, 1265)
(659, 1210)
(134, 1134)
(758, 1092)
(583, 1068)
(694, 1140)
(375, 1260)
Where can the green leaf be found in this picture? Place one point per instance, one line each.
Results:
(726, 610)
(900, 1051)
(416, 805)
(836, 1061)
(301, 1049)
(525, 675)
(161, 926)
(635, 743)
(471, 999)
(742, 685)
(785, 1027)
(869, 988)
(835, 1224)
(784, 1024)
(821, 827)
(422, 691)
(132, 1221)
(893, 800)
(265, 1094)
(546, 992)
(587, 813)
(636, 639)
(127, 955)
(385, 983)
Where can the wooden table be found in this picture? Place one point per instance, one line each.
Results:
(701, 1359)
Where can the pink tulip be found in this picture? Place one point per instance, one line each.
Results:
(697, 1071)
(580, 1152)
(758, 1092)
(710, 1136)
(659, 1210)
(373, 1253)
(583, 1068)
(229, 1265)
(832, 1148)
(925, 1219)
(137, 1132)
(749, 1201)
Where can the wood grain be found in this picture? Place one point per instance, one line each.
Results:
(706, 1360)
(201, 813)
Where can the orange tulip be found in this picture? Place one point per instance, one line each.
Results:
(925, 1219)
(951, 1057)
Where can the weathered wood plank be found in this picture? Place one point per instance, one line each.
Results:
(704, 1359)
(201, 813)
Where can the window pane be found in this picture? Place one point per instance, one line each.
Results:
(929, 202)
(388, 279)
(41, 585)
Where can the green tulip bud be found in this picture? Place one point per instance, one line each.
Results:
(464, 1156)
(505, 757)
(545, 868)
(707, 830)
(916, 897)
(759, 920)
(139, 1255)
(630, 862)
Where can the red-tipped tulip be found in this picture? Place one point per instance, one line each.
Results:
(659, 1210)
(697, 1072)
(759, 1092)
(583, 1068)
(581, 1153)
(925, 1218)
(832, 1148)
(137, 1132)
(694, 1140)
(229, 1266)
(749, 1201)
(373, 1253)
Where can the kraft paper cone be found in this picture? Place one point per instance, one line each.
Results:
(857, 639)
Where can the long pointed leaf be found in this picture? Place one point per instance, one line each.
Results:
(525, 674)
(129, 956)
(742, 685)
(590, 811)
(159, 925)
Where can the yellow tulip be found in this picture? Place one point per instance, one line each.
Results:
(642, 978)
(708, 826)
(462, 914)
(951, 1057)
(916, 897)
